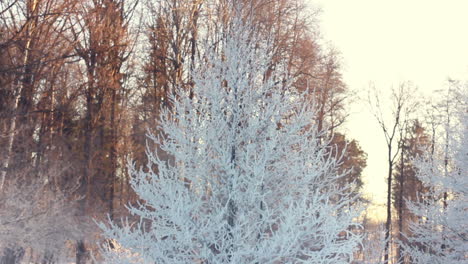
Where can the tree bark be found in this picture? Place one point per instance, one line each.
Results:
(388, 223)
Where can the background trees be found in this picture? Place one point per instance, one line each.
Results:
(422, 149)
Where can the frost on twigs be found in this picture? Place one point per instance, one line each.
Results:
(37, 220)
(440, 235)
(250, 180)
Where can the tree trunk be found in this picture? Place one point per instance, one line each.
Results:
(81, 254)
(12, 255)
(400, 204)
(112, 154)
(231, 206)
(388, 223)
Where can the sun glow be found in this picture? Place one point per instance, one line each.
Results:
(386, 43)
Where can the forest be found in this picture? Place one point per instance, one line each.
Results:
(211, 131)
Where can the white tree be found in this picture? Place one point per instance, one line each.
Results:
(250, 179)
(373, 245)
(441, 234)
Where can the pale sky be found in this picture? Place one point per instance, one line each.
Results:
(387, 42)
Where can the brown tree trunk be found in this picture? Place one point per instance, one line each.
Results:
(112, 154)
(400, 203)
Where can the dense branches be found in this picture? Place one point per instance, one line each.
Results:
(439, 235)
(250, 181)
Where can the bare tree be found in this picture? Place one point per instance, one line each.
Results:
(391, 125)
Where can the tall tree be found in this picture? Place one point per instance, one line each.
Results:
(101, 40)
(401, 107)
(250, 181)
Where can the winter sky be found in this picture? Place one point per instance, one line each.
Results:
(386, 42)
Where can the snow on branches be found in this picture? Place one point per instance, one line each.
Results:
(250, 179)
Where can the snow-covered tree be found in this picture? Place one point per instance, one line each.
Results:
(373, 244)
(250, 179)
(37, 221)
(441, 234)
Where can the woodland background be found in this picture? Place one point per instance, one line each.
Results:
(81, 82)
